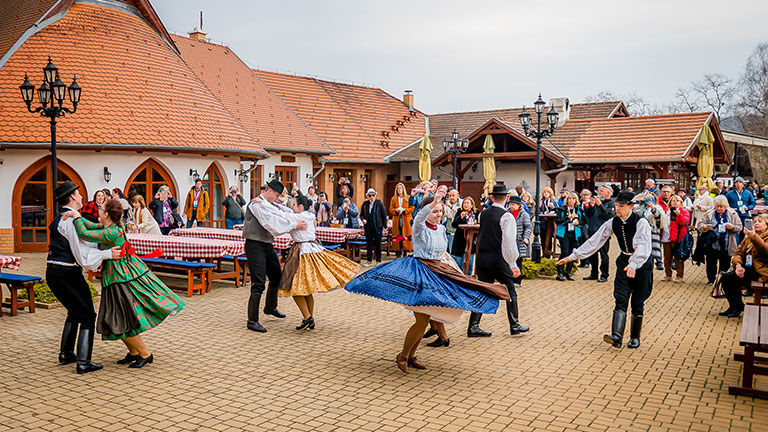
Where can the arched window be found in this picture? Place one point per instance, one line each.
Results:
(256, 181)
(147, 179)
(33, 206)
(214, 185)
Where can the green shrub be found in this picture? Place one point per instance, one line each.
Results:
(44, 294)
(547, 267)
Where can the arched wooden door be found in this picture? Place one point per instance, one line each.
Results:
(33, 206)
(213, 183)
(147, 179)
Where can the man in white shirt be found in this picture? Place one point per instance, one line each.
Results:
(264, 219)
(634, 272)
(497, 258)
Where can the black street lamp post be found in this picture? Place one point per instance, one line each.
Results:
(455, 146)
(538, 133)
(51, 96)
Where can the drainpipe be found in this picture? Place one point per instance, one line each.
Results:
(322, 161)
(558, 170)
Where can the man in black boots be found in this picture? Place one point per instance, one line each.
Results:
(65, 278)
(264, 219)
(497, 258)
(600, 210)
(634, 272)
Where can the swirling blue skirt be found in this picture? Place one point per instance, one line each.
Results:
(409, 282)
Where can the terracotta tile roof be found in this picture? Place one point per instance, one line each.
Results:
(263, 114)
(17, 17)
(629, 139)
(349, 118)
(597, 110)
(137, 91)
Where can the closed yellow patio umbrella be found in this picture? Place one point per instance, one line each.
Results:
(425, 161)
(706, 164)
(489, 165)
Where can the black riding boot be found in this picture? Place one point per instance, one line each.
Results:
(634, 331)
(253, 313)
(68, 337)
(617, 329)
(514, 324)
(560, 273)
(569, 271)
(474, 329)
(84, 351)
(270, 304)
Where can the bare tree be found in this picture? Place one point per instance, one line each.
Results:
(752, 102)
(685, 101)
(636, 104)
(715, 91)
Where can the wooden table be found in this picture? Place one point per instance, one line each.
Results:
(470, 232)
(754, 339)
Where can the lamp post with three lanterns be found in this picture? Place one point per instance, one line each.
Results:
(538, 133)
(51, 97)
(455, 146)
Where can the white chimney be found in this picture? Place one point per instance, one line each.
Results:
(563, 107)
(197, 34)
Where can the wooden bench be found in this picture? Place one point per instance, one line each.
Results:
(15, 282)
(754, 338)
(193, 269)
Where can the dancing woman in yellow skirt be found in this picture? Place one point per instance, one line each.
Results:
(311, 268)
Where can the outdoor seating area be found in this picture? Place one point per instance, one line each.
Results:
(754, 339)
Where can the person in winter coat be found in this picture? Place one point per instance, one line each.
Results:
(234, 208)
(163, 206)
(678, 228)
(401, 212)
(702, 204)
(741, 200)
(323, 210)
(524, 231)
(374, 219)
(347, 214)
(599, 210)
(750, 263)
(467, 216)
(650, 210)
(723, 225)
(197, 205)
(569, 222)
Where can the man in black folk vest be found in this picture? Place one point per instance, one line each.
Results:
(497, 258)
(65, 279)
(264, 219)
(634, 273)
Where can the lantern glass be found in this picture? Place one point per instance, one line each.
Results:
(552, 117)
(59, 89)
(455, 134)
(107, 175)
(74, 92)
(27, 91)
(445, 144)
(525, 119)
(50, 71)
(465, 143)
(44, 94)
(539, 104)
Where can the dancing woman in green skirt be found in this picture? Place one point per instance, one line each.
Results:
(133, 299)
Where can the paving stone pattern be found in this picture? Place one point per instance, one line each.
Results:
(211, 374)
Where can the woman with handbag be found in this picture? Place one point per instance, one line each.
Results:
(678, 228)
(750, 264)
(569, 222)
(718, 230)
(164, 208)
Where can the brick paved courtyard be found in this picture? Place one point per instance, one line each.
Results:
(210, 373)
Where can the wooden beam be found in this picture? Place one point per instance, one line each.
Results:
(526, 155)
(461, 171)
(692, 159)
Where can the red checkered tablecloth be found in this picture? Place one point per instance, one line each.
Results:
(185, 247)
(210, 233)
(10, 262)
(337, 235)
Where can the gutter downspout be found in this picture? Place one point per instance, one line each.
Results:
(322, 161)
(558, 170)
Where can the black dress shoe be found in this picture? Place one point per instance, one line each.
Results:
(603, 279)
(726, 312)
(83, 368)
(560, 277)
(569, 276)
(439, 343)
(141, 362)
(590, 278)
(429, 333)
(129, 358)
(255, 326)
(518, 329)
(308, 323)
(67, 357)
(275, 313)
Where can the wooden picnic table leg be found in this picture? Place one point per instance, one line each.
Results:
(190, 282)
(468, 250)
(237, 272)
(31, 297)
(14, 300)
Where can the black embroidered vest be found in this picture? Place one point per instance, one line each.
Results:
(625, 232)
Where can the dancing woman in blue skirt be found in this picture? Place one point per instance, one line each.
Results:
(429, 283)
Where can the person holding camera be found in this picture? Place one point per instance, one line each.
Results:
(750, 263)
(197, 205)
(374, 219)
(163, 207)
(322, 210)
(234, 208)
(347, 214)
(678, 228)
(718, 233)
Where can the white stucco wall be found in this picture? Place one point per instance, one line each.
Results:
(303, 166)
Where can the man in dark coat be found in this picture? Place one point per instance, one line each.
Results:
(600, 210)
(374, 219)
(497, 258)
(65, 279)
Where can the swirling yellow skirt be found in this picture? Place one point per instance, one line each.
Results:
(320, 272)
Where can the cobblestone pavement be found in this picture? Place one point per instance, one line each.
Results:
(210, 373)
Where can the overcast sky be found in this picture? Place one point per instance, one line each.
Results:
(471, 55)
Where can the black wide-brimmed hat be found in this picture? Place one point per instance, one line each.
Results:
(499, 190)
(624, 197)
(276, 186)
(64, 190)
(515, 199)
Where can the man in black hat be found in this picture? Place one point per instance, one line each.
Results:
(65, 279)
(634, 273)
(497, 258)
(265, 219)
